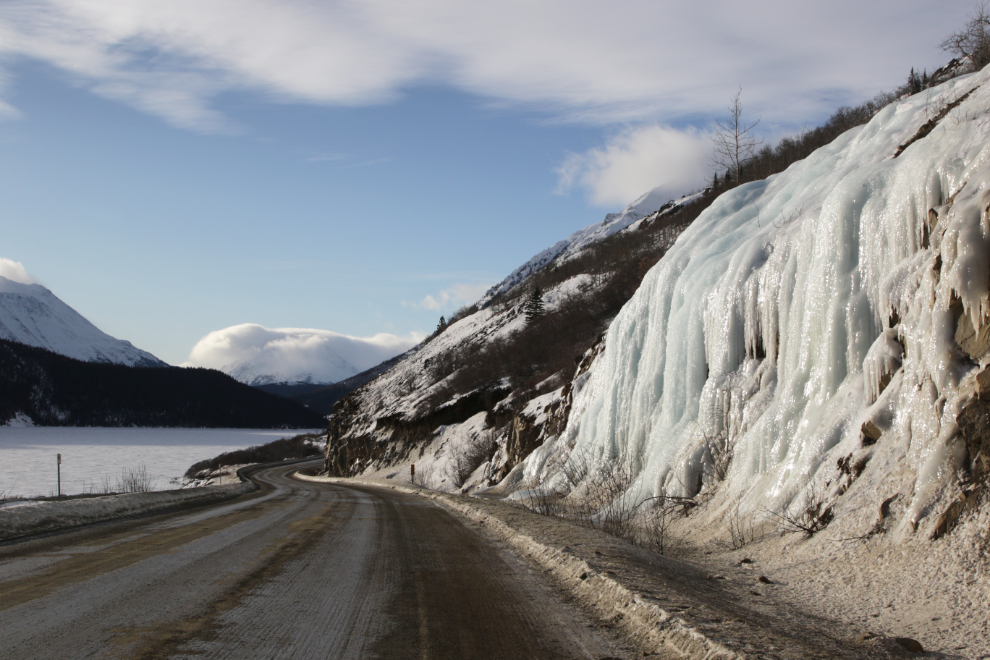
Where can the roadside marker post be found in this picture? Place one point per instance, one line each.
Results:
(59, 469)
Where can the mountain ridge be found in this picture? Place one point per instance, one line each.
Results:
(31, 314)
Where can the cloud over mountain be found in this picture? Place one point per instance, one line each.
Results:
(15, 271)
(258, 355)
(637, 160)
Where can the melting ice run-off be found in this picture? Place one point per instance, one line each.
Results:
(780, 313)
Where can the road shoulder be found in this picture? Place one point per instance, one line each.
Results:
(664, 606)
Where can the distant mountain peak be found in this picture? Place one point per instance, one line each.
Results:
(33, 315)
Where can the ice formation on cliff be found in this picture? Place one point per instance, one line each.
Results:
(783, 310)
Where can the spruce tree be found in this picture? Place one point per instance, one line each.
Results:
(441, 326)
(534, 305)
(914, 82)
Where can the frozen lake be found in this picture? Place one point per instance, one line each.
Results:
(28, 463)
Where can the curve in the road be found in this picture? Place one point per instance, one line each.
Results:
(302, 570)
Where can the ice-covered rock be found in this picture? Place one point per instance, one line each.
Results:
(771, 318)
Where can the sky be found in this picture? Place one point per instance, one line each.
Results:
(174, 169)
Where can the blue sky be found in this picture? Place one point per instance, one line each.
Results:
(172, 169)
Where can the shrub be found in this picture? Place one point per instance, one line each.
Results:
(300, 446)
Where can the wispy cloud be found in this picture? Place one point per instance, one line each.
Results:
(625, 60)
(15, 271)
(451, 298)
(637, 160)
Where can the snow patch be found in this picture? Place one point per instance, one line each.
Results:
(20, 421)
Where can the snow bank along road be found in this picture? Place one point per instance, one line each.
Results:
(296, 570)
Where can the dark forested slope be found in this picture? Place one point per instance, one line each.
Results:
(54, 390)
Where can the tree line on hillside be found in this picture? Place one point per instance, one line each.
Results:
(54, 390)
(300, 446)
(735, 146)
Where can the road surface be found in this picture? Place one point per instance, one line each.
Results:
(298, 570)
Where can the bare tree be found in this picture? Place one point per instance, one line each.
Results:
(973, 41)
(734, 144)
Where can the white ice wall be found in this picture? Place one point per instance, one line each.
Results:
(815, 258)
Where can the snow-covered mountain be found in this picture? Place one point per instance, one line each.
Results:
(267, 368)
(648, 204)
(33, 315)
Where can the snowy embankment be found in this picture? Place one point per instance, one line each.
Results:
(47, 516)
(664, 606)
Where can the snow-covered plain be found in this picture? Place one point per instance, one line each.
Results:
(28, 455)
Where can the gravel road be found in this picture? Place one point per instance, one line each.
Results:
(296, 570)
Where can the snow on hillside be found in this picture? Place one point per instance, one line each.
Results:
(782, 311)
(646, 205)
(267, 368)
(33, 315)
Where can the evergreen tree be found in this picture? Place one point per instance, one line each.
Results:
(441, 326)
(914, 82)
(715, 182)
(534, 305)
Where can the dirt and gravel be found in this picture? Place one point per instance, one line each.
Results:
(295, 570)
(670, 608)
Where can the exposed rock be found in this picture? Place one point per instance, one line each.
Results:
(871, 433)
(930, 125)
(975, 342)
(948, 519)
(983, 384)
(908, 644)
(524, 437)
(974, 426)
(527, 433)
(393, 438)
(885, 507)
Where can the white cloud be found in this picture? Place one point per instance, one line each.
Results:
(293, 353)
(637, 160)
(14, 271)
(600, 62)
(455, 296)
